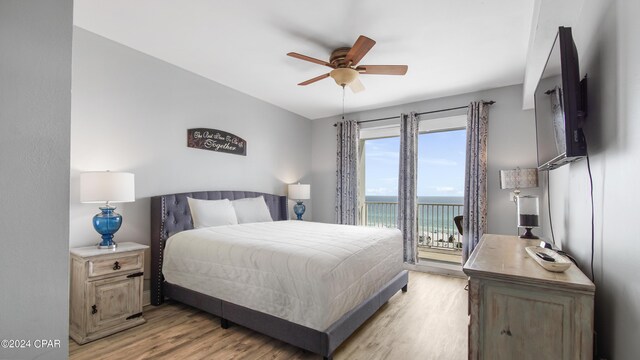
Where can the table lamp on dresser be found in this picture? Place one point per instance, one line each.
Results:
(527, 205)
(107, 187)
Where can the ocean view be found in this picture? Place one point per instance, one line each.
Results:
(441, 153)
(450, 200)
(435, 217)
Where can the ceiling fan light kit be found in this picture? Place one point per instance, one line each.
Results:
(344, 63)
(343, 76)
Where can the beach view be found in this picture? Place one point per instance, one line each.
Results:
(440, 187)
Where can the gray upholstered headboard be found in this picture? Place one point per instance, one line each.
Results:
(170, 214)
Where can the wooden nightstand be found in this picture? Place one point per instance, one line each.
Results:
(106, 290)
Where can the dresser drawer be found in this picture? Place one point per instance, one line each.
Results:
(116, 264)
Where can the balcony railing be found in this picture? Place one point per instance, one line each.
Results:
(436, 228)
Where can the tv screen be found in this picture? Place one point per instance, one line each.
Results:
(558, 106)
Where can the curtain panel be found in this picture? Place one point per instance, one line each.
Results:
(475, 183)
(407, 184)
(347, 173)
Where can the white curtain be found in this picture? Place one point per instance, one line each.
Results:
(407, 183)
(347, 173)
(474, 223)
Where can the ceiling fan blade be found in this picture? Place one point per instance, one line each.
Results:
(356, 86)
(359, 49)
(382, 69)
(317, 78)
(309, 58)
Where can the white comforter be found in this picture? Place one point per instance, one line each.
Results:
(308, 273)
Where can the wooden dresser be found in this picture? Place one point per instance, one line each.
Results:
(518, 310)
(106, 290)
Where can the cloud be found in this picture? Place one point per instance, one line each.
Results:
(445, 189)
(381, 191)
(384, 155)
(373, 147)
(438, 162)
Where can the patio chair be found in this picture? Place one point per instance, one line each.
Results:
(458, 221)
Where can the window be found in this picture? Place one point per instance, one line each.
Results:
(441, 161)
(440, 187)
(382, 160)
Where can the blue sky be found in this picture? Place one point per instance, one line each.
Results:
(440, 164)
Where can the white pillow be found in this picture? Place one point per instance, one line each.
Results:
(205, 213)
(251, 210)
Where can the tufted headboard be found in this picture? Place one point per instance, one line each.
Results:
(170, 214)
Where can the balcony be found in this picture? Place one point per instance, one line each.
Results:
(438, 236)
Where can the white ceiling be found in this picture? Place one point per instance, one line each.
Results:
(451, 46)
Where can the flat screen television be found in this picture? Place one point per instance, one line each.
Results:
(560, 106)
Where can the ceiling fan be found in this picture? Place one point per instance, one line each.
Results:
(344, 62)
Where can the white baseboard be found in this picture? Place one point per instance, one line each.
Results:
(435, 267)
(146, 297)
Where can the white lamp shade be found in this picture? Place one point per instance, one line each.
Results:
(299, 191)
(518, 178)
(107, 186)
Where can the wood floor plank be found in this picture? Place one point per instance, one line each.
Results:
(427, 322)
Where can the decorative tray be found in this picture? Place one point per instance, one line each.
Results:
(559, 263)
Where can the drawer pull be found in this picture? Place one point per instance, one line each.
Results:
(116, 266)
(135, 275)
(94, 309)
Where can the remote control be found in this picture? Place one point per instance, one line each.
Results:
(545, 257)
(548, 259)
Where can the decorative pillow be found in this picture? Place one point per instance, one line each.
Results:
(251, 210)
(205, 213)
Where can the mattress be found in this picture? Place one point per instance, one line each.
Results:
(304, 272)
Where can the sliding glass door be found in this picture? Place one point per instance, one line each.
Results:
(441, 159)
(381, 181)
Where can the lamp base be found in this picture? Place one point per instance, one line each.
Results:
(299, 209)
(111, 246)
(528, 234)
(107, 223)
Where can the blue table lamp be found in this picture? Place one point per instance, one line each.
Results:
(107, 187)
(299, 192)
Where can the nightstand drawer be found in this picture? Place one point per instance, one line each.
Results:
(116, 264)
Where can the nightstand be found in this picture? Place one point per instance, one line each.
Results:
(106, 290)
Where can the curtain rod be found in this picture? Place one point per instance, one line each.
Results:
(422, 113)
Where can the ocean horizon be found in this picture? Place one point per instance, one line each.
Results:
(449, 200)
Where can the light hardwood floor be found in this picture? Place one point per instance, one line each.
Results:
(427, 322)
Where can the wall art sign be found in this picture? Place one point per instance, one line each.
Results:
(216, 140)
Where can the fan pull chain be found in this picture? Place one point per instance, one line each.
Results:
(342, 102)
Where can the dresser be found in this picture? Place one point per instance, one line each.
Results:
(105, 290)
(518, 310)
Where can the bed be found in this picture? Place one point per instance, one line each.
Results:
(275, 291)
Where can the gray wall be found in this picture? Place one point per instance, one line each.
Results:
(131, 112)
(511, 143)
(35, 102)
(611, 58)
